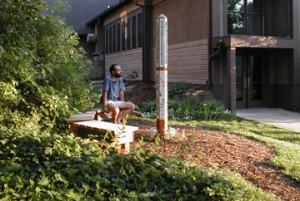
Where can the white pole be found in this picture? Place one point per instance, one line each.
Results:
(162, 75)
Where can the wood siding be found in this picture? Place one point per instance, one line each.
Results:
(188, 33)
(187, 62)
(129, 61)
(187, 20)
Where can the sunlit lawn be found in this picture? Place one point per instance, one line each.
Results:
(246, 127)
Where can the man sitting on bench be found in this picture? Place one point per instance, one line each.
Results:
(113, 96)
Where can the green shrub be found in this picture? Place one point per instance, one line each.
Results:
(52, 167)
(43, 72)
(212, 109)
(177, 88)
(188, 109)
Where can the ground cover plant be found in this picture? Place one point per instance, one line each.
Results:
(188, 109)
(53, 167)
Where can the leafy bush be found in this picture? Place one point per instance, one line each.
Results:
(35, 167)
(187, 109)
(177, 88)
(212, 109)
(43, 72)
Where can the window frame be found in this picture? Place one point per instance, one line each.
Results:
(244, 14)
(124, 34)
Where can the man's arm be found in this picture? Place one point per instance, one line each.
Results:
(104, 100)
(122, 96)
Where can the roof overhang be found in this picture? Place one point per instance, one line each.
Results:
(108, 11)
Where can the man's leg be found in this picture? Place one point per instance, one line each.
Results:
(126, 108)
(115, 112)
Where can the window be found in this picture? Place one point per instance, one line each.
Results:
(106, 41)
(134, 32)
(114, 39)
(110, 39)
(128, 34)
(124, 35)
(118, 36)
(140, 29)
(245, 17)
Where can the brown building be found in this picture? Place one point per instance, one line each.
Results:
(246, 50)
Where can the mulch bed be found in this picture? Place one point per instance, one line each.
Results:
(215, 149)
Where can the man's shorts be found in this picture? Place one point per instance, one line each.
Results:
(116, 103)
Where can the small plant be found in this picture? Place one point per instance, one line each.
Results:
(212, 109)
(188, 109)
(178, 88)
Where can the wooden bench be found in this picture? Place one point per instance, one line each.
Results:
(91, 120)
(87, 116)
(123, 135)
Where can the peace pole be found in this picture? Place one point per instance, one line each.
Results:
(162, 75)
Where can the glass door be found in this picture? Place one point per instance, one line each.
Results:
(249, 79)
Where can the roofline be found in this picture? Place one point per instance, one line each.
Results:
(108, 11)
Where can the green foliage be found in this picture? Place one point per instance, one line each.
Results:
(43, 73)
(287, 159)
(212, 109)
(52, 167)
(187, 109)
(177, 88)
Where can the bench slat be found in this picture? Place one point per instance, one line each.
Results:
(123, 134)
(101, 125)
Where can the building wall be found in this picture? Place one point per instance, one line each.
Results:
(187, 62)
(218, 18)
(296, 35)
(95, 71)
(188, 33)
(287, 97)
(130, 62)
(282, 60)
(277, 19)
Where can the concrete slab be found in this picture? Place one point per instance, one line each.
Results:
(274, 116)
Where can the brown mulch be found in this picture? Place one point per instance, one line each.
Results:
(215, 149)
(141, 93)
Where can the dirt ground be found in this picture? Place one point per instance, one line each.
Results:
(214, 149)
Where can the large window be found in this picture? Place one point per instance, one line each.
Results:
(245, 17)
(124, 35)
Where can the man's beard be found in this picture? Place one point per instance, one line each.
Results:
(117, 75)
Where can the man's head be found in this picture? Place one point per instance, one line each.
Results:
(115, 70)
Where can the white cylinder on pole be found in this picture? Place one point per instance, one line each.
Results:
(162, 75)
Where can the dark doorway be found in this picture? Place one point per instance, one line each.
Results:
(249, 78)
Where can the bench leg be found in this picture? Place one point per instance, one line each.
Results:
(125, 148)
(73, 129)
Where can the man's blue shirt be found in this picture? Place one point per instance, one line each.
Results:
(113, 88)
